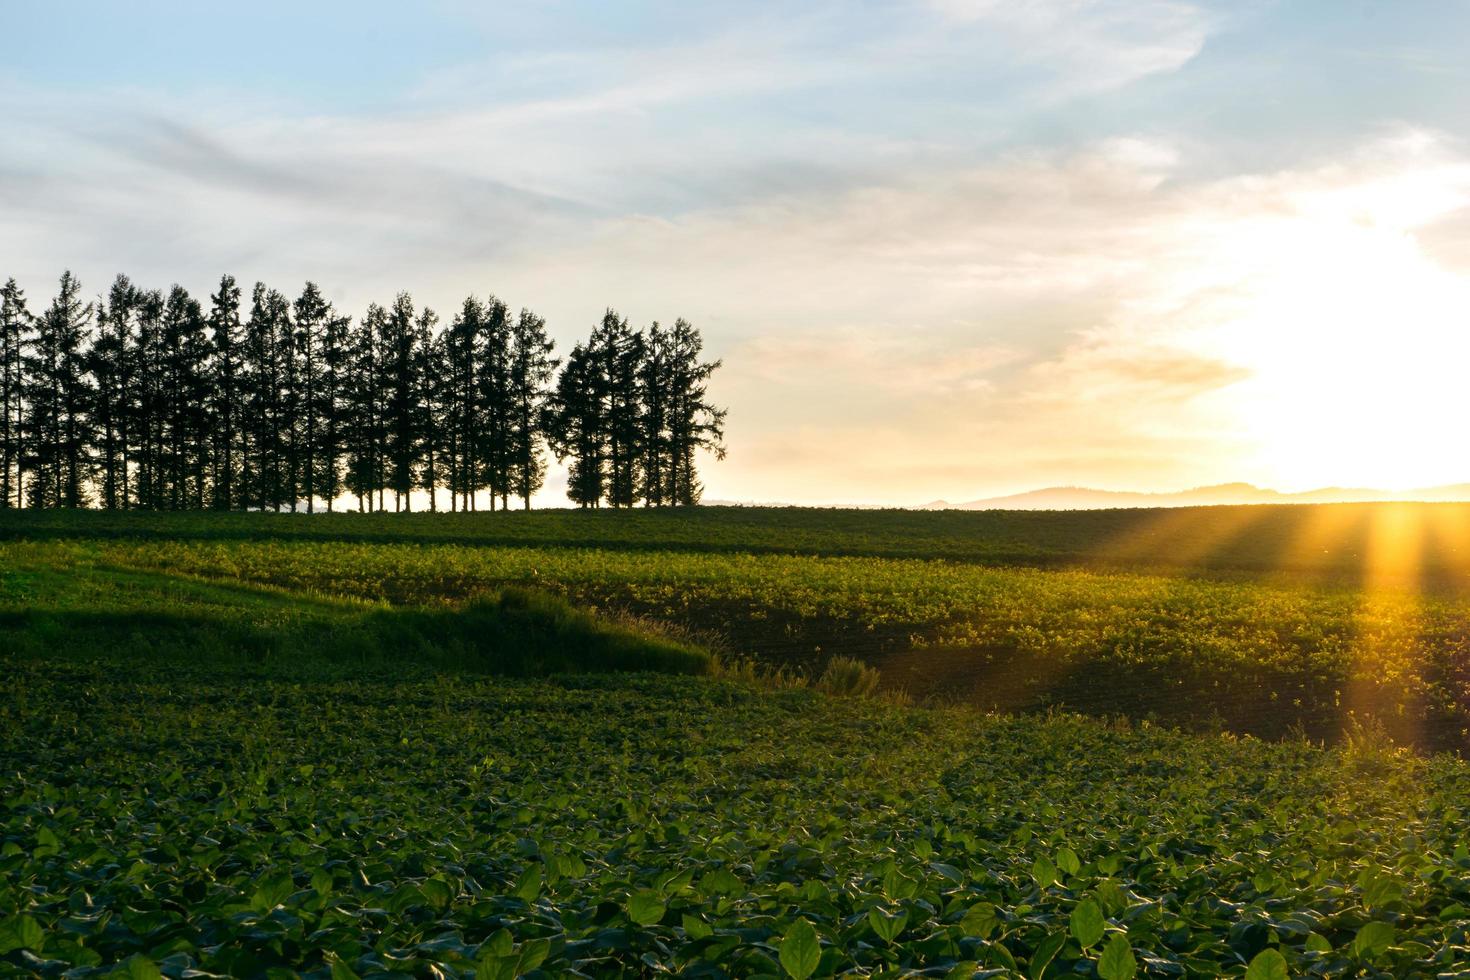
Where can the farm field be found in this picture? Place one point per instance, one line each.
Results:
(486, 746)
(1369, 618)
(307, 819)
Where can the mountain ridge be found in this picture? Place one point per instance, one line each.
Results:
(1090, 498)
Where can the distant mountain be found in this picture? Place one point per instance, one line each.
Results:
(1085, 498)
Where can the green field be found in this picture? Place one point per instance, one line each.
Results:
(1263, 620)
(494, 745)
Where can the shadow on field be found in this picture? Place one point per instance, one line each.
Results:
(1262, 703)
(516, 633)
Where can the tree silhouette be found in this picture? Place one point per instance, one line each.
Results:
(168, 408)
(531, 368)
(227, 377)
(15, 321)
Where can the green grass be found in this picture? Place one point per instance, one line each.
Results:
(411, 822)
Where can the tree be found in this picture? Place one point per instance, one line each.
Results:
(110, 364)
(264, 397)
(15, 321)
(693, 423)
(312, 313)
(462, 401)
(148, 402)
(57, 393)
(363, 396)
(429, 378)
(226, 456)
(575, 426)
(400, 409)
(618, 351)
(331, 405)
(530, 372)
(492, 430)
(187, 384)
(653, 382)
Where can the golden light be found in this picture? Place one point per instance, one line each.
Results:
(1354, 336)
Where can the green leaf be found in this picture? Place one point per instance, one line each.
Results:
(695, 927)
(528, 886)
(140, 967)
(439, 894)
(886, 926)
(645, 907)
(1318, 943)
(1117, 962)
(1044, 871)
(271, 890)
(1372, 940)
(533, 954)
(341, 971)
(500, 944)
(1046, 951)
(1268, 964)
(322, 882)
(800, 950)
(21, 932)
(979, 921)
(1087, 923)
(1067, 861)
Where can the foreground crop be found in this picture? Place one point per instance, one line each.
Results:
(189, 818)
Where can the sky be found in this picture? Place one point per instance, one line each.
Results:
(944, 248)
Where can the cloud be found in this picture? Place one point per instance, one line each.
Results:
(1093, 45)
(909, 305)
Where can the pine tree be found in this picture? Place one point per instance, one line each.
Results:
(429, 402)
(693, 423)
(575, 426)
(331, 404)
(186, 366)
(462, 342)
(148, 402)
(400, 409)
(618, 352)
(227, 376)
(654, 443)
(492, 429)
(264, 397)
(530, 373)
(15, 321)
(363, 408)
(109, 362)
(57, 393)
(312, 313)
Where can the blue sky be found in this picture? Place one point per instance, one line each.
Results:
(946, 248)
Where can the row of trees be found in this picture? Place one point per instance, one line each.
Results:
(143, 399)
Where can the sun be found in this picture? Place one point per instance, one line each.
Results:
(1357, 344)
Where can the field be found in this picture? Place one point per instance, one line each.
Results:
(1263, 620)
(498, 745)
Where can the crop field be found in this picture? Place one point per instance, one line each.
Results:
(1294, 619)
(524, 744)
(321, 819)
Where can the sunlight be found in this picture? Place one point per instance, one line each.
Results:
(1354, 338)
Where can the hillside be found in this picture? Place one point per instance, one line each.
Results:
(1225, 494)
